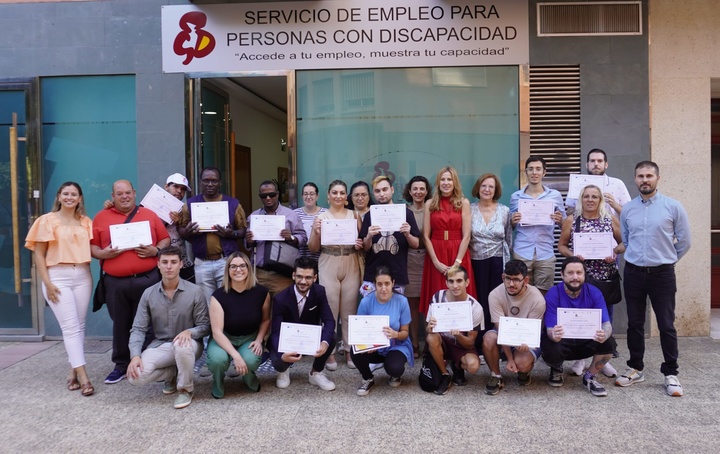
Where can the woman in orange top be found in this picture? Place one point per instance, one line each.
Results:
(60, 241)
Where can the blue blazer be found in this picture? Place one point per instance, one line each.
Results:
(315, 312)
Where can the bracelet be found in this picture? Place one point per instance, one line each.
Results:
(458, 262)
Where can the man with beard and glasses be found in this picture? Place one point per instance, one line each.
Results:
(513, 298)
(572, 293)
(614, 190)
(656, 233)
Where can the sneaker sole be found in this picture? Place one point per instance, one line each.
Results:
(112, 382)
(638, 380)
(556, 385)
(332, 367)
(182, 405)
(167, 392)
(493, 392)
(597, 394)
(673, 394)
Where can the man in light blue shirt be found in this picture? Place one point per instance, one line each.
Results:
(534, 244)
(656, 233)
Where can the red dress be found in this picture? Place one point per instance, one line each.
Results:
(445, 236)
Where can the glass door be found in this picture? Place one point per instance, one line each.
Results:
(18, 205)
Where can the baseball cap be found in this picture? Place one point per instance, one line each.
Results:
(180, 179)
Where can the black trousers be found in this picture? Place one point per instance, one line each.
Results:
(318, 362)
(659, 284)
(123, 297)
(394, 363)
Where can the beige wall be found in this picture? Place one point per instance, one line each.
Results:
(684, 56)
(262, 134)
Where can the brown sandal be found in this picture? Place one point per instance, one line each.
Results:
(73, 384)
(87, 389)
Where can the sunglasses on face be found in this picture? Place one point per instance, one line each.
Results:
(269, 195)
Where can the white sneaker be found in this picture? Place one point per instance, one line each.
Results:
(320, 380)
(331, 366)
(376, 366)
(608, 370)
(204, 371)
(673, 386)
(283, 379)
(578, 367)
(482, 360)
(232, 372)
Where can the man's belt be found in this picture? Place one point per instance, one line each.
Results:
(650, 269)
(145, 274)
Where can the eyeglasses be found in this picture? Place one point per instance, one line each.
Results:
(513, 280)
(269, 195)
(242, 266)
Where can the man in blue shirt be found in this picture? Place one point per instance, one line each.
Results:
(534, 242)
(656, 233)
(557, 345)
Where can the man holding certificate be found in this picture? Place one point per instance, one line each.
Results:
(525, 306)
(453, 319)
(577, 326)
(128, 272)
(536, 209)
(388, 230)
(614, 190)
(306, 304)
(291, 233)
(213, 223)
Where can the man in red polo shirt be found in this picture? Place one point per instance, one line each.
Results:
(128, 271)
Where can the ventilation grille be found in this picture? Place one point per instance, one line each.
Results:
(555, 118)
(589, 19)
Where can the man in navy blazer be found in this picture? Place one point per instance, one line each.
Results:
(305, 303)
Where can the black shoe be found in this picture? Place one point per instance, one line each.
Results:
(442, 389)
(494, 385)
(556, 377)
(616, 354)
(458, 377)
(523, 379)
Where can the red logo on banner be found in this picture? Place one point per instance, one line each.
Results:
(201, 42)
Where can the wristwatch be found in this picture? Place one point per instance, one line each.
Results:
(292, 238)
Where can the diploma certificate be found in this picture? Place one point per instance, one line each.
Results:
(517, 331)
(536, 212)
(368, 330)
(267, 228)
(130, 235)
(578, 182)
(338, 232)
(300, 338)
(452, 315)
(593, 245)
(162, 203)
(579, 323)
(209, 214)
(388, 217)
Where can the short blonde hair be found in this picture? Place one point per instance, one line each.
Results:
(251, 279)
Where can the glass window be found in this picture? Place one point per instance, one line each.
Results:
(88, 136)
(406, 122)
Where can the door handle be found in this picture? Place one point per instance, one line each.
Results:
(14, 139)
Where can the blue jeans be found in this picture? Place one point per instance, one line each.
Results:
(659, 284)
(209, 275)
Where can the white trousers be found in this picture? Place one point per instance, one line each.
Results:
(75, 284)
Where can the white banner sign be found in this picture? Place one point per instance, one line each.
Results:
(344, 34)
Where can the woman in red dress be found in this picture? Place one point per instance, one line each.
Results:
(446, 232)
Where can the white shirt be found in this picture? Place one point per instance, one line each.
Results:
(300, 299)
(613, 186)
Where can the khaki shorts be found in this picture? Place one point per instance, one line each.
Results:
(541, 272)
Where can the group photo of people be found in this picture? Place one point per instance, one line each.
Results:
(359, 277)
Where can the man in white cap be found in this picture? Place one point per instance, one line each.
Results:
(177, 185)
